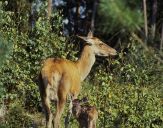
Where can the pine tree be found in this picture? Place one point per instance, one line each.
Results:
(120, 14)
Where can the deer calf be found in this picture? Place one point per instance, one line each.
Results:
(86, 115)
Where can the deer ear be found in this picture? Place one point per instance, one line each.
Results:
(83, 37)
(87, 39)
(90, 34)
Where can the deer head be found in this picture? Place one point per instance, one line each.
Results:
(77, 106)
(99, 47)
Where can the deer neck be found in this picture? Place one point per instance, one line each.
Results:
(86, 61)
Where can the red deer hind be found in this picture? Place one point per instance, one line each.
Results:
(60, 78)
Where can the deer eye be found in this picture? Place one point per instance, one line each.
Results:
(101, 45)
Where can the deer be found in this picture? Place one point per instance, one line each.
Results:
(61, 78)
(86, 115)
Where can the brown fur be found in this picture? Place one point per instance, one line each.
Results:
(66, 69)
(60, 78)
(86, 115)
(68, 83)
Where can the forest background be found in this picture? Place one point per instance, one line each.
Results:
(127, 90)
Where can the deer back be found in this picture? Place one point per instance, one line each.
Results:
(63, 71)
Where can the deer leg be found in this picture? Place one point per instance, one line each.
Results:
(94, 123)
(70, 105)
(48, 114)
(90, 123)
(69, 113)
(60, 107)
(45, 101)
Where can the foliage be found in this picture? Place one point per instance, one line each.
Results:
(121, 15)
(5, 42)
(17, 118)
(137, 66)
(5, 45)
(4, 49)
(129, 94)
(19, 73)
(125, 105)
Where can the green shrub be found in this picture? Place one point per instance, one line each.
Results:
(20, 70)
(127, 91)
(125, 106)
(17, 118)
(138, 66)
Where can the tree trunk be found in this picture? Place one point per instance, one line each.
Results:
(77, 15)
(145, 20)
(93, 16)
(154, 11)
(49, 8)
(161, 42)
